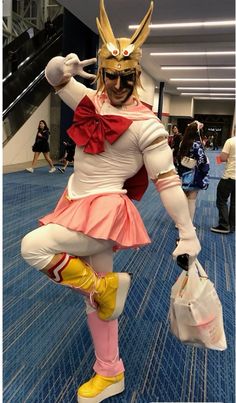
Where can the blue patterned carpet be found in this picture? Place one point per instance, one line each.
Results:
(47, 349)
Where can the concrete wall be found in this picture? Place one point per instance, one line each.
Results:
(166, 103)
(19, 149)
(181, 106)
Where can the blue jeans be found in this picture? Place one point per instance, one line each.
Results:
(226, 190)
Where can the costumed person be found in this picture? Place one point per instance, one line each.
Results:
(41, 145)
(116, 138)
(193, 164)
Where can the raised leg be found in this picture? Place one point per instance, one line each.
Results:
(108, 292)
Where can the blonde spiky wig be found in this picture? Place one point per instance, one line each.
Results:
(121, 53)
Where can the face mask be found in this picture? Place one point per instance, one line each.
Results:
(127, 79)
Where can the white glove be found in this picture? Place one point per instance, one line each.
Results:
(190, 246)
(175, 203)
(60, 69)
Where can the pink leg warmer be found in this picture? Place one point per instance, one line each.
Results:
(105, 340)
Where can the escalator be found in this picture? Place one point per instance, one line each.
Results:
(25, 88)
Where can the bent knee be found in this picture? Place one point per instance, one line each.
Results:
(29, 249)
(27, 246)
(33, 253)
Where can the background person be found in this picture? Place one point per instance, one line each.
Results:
(49, 28)
(175, 143)
(116, 138)
(13, 57)
(195, 166)
(226, 190)
(69, 154)
(215, 141)
(41, 145)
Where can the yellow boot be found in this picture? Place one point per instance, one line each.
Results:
(107, 293)
(110, 295)
(100, 387)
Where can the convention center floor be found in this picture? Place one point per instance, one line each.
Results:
(47, 350)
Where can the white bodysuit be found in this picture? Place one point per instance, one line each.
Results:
(102, 173)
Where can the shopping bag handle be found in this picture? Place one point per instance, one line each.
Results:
(183, 262)
(201, 271)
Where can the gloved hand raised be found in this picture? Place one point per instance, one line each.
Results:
(60, 69)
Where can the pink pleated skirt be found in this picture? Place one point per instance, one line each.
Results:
(103, 216)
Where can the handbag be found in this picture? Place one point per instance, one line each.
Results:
(188, 162)
(38, 143)
(195, 314)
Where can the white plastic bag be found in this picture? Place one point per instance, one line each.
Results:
(196, 316)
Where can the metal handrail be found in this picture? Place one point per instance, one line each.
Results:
(23, 93)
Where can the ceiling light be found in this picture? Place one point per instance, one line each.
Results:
(207, 88)
(189, 24)
(202, 79)
(197, 68)
(213, 98)
(225, 53)
(203, 93)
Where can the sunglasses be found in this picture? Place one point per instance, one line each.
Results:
(125, 76)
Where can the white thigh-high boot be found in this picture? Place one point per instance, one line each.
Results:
(109, 368)
(192, 207)
(192, 198)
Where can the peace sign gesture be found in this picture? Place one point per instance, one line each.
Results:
(60, 69)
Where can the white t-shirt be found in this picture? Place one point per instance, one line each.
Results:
(229, 148)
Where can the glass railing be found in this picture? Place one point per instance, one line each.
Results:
(23, 109)
(23, 79)
(26, 46)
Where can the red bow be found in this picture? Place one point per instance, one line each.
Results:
(90, 130)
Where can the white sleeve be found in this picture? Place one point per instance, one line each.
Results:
(150, 130)
(158, 159)
(73, 92)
